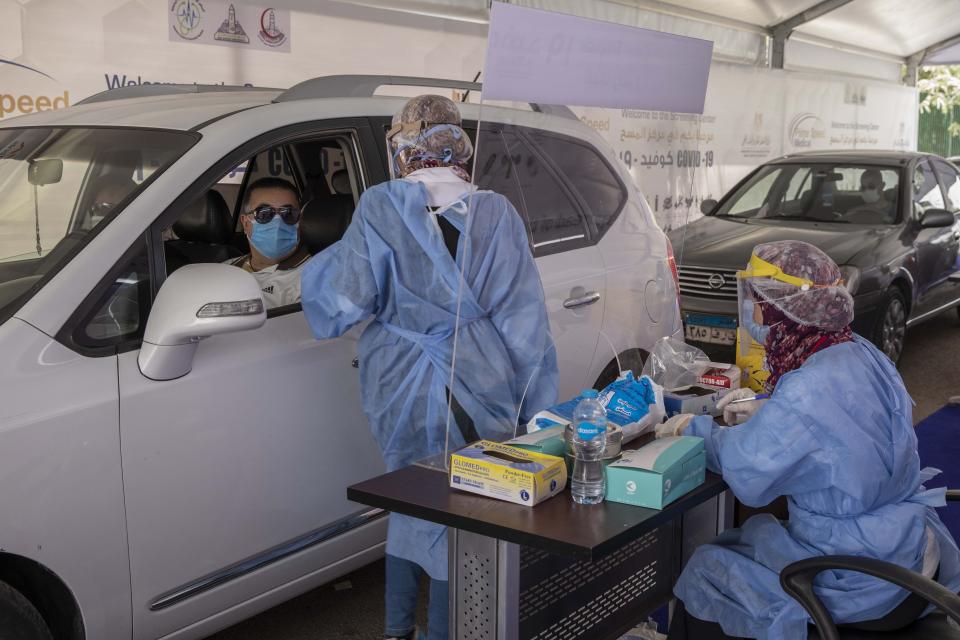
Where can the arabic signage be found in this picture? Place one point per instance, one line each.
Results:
(751, 116)
(228, 24)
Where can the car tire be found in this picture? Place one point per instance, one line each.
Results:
(892, 325)
(19, 619)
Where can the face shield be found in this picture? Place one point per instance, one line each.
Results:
(762, 282)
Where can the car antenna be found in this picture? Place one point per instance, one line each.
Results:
(467, 94)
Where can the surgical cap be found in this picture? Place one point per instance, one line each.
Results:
(441, 140)
(826, 304)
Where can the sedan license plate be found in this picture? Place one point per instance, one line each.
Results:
(711, 335)
(711, 329)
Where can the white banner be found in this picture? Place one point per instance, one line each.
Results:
(228, 24)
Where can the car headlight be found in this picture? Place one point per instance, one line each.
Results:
(851, 278)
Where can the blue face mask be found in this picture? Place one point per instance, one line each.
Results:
(275, 239)
(758, 332)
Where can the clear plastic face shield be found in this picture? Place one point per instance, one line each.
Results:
(763, 282)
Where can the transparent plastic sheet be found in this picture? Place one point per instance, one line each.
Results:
(674, 364)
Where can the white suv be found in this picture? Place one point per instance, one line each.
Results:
(139, 506)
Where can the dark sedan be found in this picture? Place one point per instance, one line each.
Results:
(889, 219)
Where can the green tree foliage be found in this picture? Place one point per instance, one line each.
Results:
(940, 91)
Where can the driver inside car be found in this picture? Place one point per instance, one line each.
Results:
(271, 222)
(874, 199)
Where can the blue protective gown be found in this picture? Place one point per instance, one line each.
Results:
(836, 438)
(392, 263)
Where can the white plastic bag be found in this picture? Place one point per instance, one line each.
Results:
(674, 364)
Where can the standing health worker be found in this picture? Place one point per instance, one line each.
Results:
(836, 437)
(400, 261)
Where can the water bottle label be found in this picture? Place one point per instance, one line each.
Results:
(588, 431)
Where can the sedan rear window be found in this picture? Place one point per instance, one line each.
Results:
(59, 186)
(843, 193)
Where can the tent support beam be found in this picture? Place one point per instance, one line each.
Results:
(915, 61)
(782, 30)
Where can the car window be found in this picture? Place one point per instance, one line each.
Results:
(120, 312)
(818, 192)
(951, 182)
(926, 189)
(751, 197)
(587, 173)
(312, 176)
(59, 186)
(556, 223)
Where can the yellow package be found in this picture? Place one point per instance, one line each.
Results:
(507, 473)
(751, 364)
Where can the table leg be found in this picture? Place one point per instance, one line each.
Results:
(484, 587)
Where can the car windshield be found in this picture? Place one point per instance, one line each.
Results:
(59, 185)
(818, 192)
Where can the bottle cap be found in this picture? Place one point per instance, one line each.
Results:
(589, 393)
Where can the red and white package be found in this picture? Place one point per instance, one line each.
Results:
(720, 376)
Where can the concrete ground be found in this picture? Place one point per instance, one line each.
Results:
(929, 367)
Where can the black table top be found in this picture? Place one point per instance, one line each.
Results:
(558, 525)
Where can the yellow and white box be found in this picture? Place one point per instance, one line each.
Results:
(507, 473)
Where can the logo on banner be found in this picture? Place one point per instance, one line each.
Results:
(805, 129)
(17, 104)
(230, 30)
(270, 34)
(756, 144)
(188, 15)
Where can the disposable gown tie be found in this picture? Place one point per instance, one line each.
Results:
(392, 264)
(836, 437)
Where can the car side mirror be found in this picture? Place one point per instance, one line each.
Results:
(934, 218)
(44, 172)
(196, 302)
(708, 206)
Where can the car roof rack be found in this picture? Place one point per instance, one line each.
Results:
(149, 90)
(365, 86)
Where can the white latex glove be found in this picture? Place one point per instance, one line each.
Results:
(740, 412)
(674, 426)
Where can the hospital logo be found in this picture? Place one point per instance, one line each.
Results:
(270, 34)
(756, 143)
(187, 16)
(805, 130)
(230, 30)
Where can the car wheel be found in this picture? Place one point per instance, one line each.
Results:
(892, 325)
(19, 620)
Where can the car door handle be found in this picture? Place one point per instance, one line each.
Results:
(356, 363)
(581, 301)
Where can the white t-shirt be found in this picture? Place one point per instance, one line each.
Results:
(279, 283)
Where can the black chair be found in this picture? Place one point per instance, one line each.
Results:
(797, 580)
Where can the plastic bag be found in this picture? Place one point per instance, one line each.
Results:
(646, 631)
(674, 364)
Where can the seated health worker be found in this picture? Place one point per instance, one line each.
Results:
(271, 221)
(836, 438)
(400, 261)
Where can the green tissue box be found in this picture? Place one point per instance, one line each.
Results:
(656, 474)
(548, 441)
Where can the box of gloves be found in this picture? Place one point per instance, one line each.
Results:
(507, 473)
(696, 400)
(658, 473)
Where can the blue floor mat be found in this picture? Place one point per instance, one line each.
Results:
(939, 446)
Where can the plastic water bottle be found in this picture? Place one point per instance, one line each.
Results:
(589, 440)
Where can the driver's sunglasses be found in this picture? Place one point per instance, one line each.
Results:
(264, 214)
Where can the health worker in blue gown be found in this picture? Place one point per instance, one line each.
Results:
(400, 264)
(836, 438)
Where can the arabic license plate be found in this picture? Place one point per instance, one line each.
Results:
(711, 335)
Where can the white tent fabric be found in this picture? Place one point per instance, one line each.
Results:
(888, 32)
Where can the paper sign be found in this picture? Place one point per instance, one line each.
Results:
(226, 24)
(552, 58)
